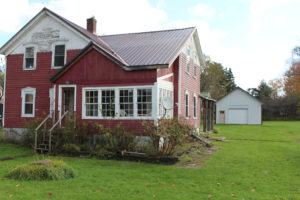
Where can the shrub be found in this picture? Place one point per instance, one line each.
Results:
(116, 138)
(42, 170)
(71, 148)
(167, 134)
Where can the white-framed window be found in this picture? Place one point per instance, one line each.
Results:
(126, 103)
(119, 103)
(195, 106)
(108, 103)
(188, 58)
(186, 99)
(144, 102)
(59, 55)
(165, 97)
(28, 102)
(91, 103)
(29, 58)
(195, 70)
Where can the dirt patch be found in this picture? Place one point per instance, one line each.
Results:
(196, 158)
(297, 140)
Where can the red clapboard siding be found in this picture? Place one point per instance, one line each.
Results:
(17, 78)
(189, 83)
(96, 69)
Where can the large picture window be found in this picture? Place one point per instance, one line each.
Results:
(29, 58)
(59, 55)
(128, 102)
(28, 102)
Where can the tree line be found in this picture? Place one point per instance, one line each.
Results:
(281, 97)
(216, 80)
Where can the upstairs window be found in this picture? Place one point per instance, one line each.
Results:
(28, 102)
(188, 56)
(195, 70)
(59, 55)
(29, 58)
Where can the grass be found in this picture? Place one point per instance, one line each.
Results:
(257, 163)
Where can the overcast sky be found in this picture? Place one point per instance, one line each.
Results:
(253, 37)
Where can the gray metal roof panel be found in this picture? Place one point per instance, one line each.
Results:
(149, 48)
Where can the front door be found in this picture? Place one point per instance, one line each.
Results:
(68, 100)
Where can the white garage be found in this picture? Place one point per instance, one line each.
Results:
(238, 107)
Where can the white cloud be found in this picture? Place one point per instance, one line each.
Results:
(262, 6)
(113, 16)
(202, 10)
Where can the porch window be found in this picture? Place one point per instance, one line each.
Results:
(165, 96)
(126, 102)
(91, 103)
(144, 102)
(186, 105)
(108, 103)
(28, 102)
(59, 56)
(29, 58)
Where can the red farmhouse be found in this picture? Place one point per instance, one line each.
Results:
(55, 66)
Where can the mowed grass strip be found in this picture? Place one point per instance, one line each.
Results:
(258, 162)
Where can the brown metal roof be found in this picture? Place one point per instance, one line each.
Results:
(149, 48)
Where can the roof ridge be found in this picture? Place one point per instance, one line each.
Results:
(166, 30)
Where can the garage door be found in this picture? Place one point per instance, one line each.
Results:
(238, 116)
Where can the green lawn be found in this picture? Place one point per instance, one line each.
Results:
(258, 162)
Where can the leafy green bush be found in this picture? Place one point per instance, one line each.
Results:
(71, 148)
(116, 138)
(42, 170)
(167, 134)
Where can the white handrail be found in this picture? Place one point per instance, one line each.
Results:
(37, 128)
(51, 129)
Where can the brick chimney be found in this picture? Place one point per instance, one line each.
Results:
(91, 25)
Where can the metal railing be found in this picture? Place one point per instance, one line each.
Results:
(37, 128)
(52, 128)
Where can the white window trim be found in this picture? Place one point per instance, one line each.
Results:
(35, 57)
(53, 54)
(25, 91)
(195, 67)
(195, 103)
(117, 107)
(186, 106)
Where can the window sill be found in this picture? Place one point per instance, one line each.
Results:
(29, 69)
(57, 67)
(27, 116)
(118, 118)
